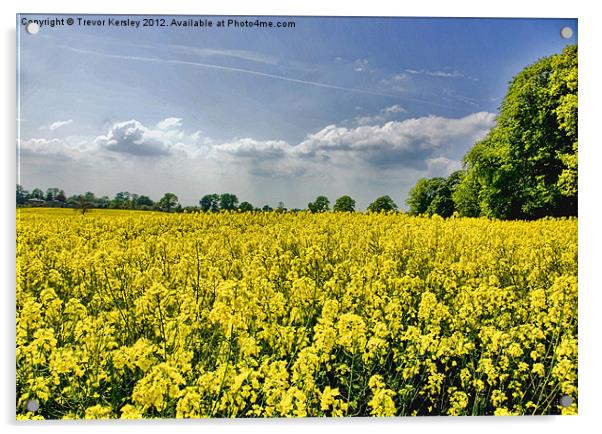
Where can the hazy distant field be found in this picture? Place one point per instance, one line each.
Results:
(140, 314)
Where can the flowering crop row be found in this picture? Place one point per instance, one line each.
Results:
(124, 314)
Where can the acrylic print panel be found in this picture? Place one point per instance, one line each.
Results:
(295, 217)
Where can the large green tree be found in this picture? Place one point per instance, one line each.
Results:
(526, 167)
(344, 204)
(36, 193)
(321, 204)
(169, 202)
(228, 201)
(80, 203)
(383, 204)
(466, 196)
(143, 202)
(210, 202)
(22, 195)
(434, 195)
(245, 207)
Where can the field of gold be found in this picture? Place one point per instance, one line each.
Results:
(129, 314)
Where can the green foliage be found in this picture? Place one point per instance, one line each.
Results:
(280, 207)
(245, 207)
(526, 167)
(210, 202)
(36, 193)
(434, 196)
(382, 204)
(81, 204)
(567, 181)
(143, 201)
(122, 200)
(228, 201)
(466, 196)
(52, 193)
(169, 202)
(22, 195)
(344, 204)
(321, 204)
(215, 202)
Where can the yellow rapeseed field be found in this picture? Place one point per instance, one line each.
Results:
(126, 314)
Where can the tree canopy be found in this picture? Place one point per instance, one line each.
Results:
(382, 204)
(526, 167)
(245, 206)
(228, 201)
(344, 204)
(169, 202)
(321, 204)
(210, 202)
(434, 195)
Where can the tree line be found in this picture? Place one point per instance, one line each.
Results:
(526, 167)
(55, 197)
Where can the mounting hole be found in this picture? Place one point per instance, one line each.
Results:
(32, 405)
(32, 28)
(566, 32)
(566, 401)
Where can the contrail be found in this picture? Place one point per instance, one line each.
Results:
(226, 68)
(251, 72)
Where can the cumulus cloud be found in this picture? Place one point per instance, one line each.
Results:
(250, 148)
(419, 143)
(135, 139)
(366, 160)
(394, 109)
(42, 146)
(397, 142)
(131, 137)
(58, 124)
(54, 149)
(429, 144)
(383, 115)
(170, 123)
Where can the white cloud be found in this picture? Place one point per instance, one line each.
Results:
(431, 73)
(428, 144)
(360, 65)
(383, 115)
(366, 160)
(396, 108)
(410, 142)
(42, 146)
(58, 124)
(170, 123)
(133, 138)
(251, 148)
(414, 143)
(442, 166)
(252, 56)
(52, 149)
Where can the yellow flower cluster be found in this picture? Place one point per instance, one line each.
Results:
(125, 314)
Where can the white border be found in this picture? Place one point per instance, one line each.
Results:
(589, 199)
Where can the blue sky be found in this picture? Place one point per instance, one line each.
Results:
(333, 106)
